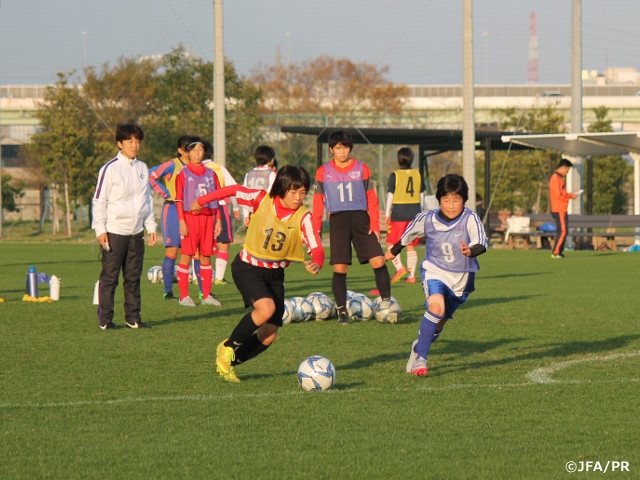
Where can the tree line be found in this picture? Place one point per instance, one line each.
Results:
(173, 95)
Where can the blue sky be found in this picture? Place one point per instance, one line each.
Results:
(420, 41)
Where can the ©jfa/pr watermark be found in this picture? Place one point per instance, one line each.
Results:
(591, 466)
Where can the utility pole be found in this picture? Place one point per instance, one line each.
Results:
(576, 67)
(533, 75)
(574, 178)
(468, 115)
(219, 138)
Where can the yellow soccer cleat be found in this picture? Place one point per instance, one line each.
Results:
(224, 356)
(231, 376)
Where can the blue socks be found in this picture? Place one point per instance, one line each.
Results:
(168, 267)
(427, 328)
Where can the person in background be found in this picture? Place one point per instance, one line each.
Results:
(122, 209)
(480, 210)
(226, 235)
(169, 225)
(262, 175)
(405, 198)
(198, 229)
(559, 205)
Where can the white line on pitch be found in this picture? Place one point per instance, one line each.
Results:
(543, 375)
(333, 391)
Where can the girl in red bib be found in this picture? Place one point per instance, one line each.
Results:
(198, 229)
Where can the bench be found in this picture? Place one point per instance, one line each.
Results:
(599, 231)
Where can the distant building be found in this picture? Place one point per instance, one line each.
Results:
(613, 76)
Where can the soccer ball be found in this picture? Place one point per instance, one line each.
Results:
(387, 311)
(303, 310)
(154, 275)
(359, 307)
(316, 373)
(288, 312)
(323, 306)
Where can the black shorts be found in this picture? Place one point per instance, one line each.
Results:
(352, 227)
(255, 283)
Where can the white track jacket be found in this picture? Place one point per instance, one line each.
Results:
(122, 203)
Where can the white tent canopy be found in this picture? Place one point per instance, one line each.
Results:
(579, 145)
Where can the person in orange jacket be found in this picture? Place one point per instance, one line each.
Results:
(559, 203)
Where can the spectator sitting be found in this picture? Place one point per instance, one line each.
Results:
(517, 223)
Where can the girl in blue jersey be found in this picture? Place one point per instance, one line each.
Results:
(455, 236)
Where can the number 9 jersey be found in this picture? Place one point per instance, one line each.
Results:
(443, 239)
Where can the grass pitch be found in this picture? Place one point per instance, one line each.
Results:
(538, 369)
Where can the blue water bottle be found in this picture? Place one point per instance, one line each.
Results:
(32, 282)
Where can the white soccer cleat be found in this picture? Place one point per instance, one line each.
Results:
(419, 368)
(412, 357)
(210, 301)
(187, 302)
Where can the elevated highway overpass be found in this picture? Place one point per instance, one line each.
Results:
(439, 105)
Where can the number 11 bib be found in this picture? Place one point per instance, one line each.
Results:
(344, 191)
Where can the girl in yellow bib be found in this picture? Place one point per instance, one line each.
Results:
(281, 231)
(405, 198)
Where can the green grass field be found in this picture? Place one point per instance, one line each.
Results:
(538, 369)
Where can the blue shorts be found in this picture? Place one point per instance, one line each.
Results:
(451, 301)
(226, 235)
(170, 225)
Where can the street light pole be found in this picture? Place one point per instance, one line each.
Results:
(84, 52)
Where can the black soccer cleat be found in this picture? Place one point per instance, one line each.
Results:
(138, 324)
(109, 326)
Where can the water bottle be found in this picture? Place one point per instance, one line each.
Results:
(54, 288)
(32, 282)
(96, 293)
